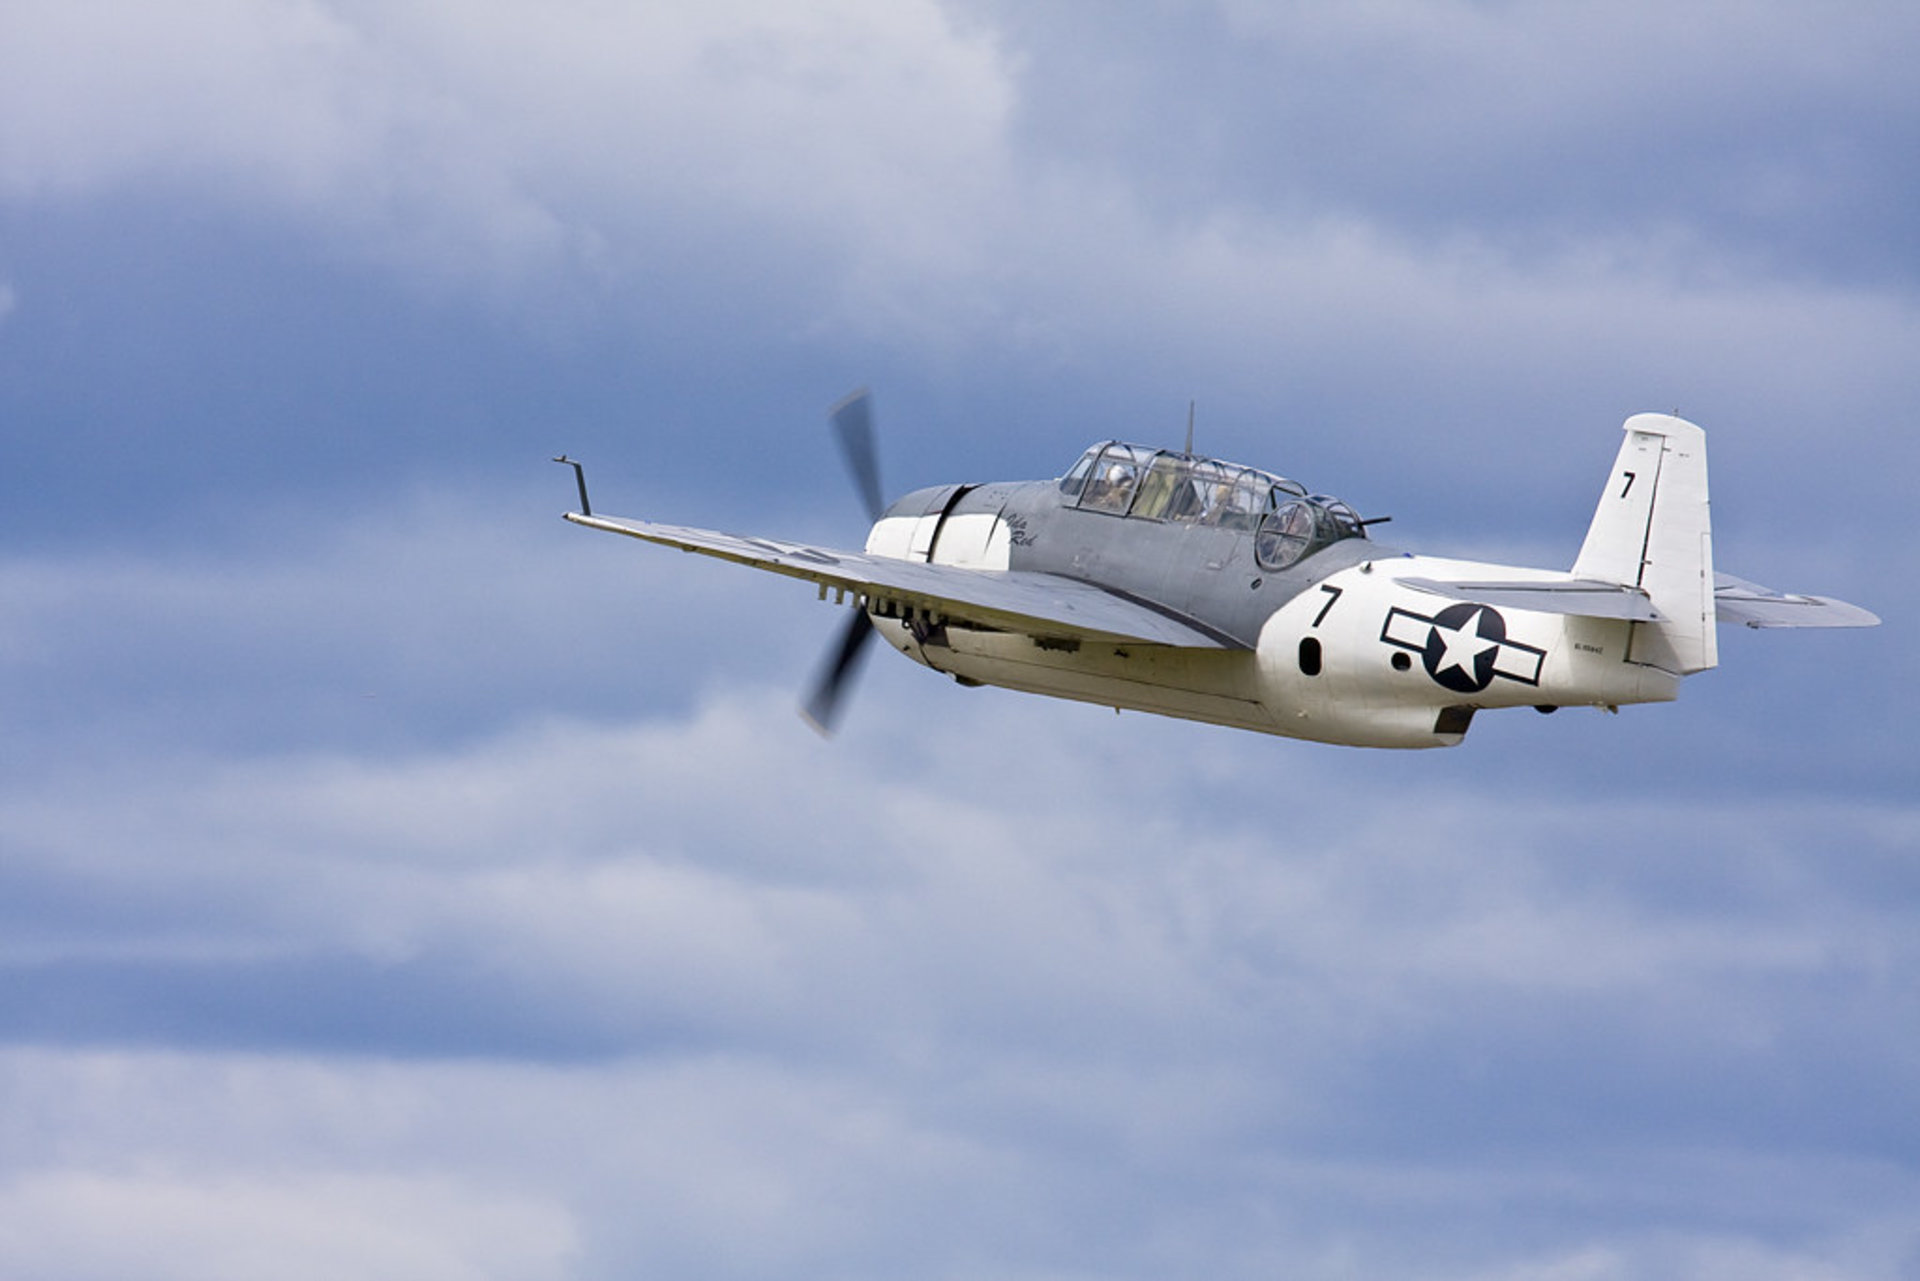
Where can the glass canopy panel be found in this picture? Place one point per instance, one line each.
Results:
(1115, 476)
(1076, 478)
(1165, 493)
(1211, 483)
(1243, 502)
(1154, 484)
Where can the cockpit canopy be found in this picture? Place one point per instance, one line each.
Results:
(1140, 483)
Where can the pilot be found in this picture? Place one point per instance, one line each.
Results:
(1212, 498)
(1109, 489)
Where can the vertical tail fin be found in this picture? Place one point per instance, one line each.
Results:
(1652, 530)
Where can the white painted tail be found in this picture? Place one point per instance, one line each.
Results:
(1652, 530)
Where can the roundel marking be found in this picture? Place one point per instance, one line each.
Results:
(1463, 647)
(1462, 641)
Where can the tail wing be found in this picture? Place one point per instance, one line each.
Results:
(1739, 601)
(1652, 531)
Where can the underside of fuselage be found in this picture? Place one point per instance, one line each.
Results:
(1386, 675)
(1235, 688)
(1216, 686)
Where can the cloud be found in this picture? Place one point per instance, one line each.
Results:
(315, 1226)
(505, 135)
(973, 196)
(610, 872)
(427, 614)
(1532, 128)
(1107, 1002)
(655, 1166)
(922, 172)
(988, 984)
(456, 889)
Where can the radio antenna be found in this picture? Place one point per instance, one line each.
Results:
(580, 477)
(1189, 429)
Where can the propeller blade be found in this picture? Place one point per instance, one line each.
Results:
(852, 420)
(822, 707)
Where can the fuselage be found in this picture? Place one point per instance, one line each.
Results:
(1169, 583)
(1322, 638)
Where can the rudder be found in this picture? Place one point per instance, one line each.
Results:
(1652, 530)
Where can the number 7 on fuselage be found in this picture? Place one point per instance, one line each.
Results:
(1161, 581)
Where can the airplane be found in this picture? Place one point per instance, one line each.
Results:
(1164, 581)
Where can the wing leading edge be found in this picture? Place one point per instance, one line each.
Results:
(1045, 605)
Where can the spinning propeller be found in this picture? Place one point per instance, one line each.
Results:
(852, 421)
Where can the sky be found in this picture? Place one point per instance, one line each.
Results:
(398, 882)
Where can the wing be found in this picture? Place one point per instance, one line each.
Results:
(1045, 605)
(1735, 600)
(1585, 597)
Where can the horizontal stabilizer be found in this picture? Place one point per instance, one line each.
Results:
(1582, 597)
(1735, 600)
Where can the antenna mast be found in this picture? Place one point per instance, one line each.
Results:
(1189, 429)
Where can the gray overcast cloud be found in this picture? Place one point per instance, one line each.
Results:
(397, 882)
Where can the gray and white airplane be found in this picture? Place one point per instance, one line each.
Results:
(1162, 581)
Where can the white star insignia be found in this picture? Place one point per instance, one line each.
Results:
(1464, 645)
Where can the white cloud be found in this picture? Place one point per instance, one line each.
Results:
(1330, 306)
(441, 610)
(946, 1166)
(534, 913)
(483, 138)
(91, 1223)
(889, 173)
(988, 984)
(620, 871)
(104, 92)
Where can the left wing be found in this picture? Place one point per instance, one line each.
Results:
(1037, 604)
